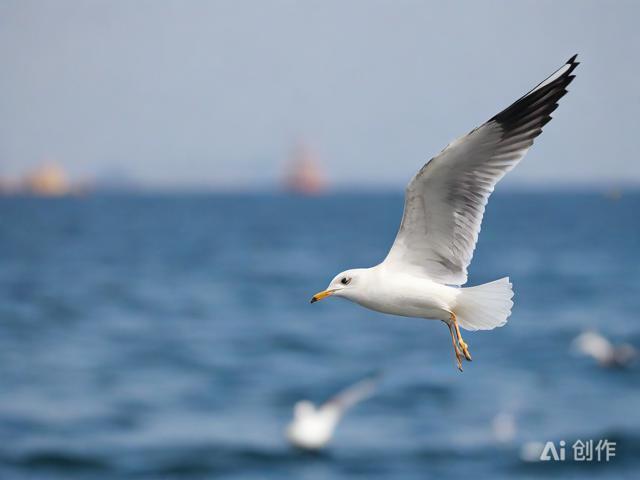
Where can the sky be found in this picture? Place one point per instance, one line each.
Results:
(187, 93)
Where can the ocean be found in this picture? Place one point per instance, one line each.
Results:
(169, 336)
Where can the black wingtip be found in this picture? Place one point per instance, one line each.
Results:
(573, 64)
(538, 103)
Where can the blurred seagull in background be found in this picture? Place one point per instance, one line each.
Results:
(312, 427)
(595, 345)
(504, 427)
(444, 204)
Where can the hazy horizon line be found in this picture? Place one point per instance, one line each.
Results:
(613, 189)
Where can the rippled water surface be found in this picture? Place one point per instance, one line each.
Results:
(164, 337)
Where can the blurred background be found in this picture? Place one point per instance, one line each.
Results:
(177, 178)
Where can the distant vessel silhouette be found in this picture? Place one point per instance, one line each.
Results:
(47, 181)
(304, 176)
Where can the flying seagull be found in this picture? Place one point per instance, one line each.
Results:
(595, 345)
(443, 209)
(312, 427)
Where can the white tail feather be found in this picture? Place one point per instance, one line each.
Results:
(486, 306)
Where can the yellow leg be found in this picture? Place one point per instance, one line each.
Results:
(455, 347)
(463, 345)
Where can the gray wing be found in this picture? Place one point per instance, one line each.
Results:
(445, 201)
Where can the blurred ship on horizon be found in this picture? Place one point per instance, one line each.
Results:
(304, 175)
(46, 180)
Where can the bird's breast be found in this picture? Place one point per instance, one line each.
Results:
(410, 297)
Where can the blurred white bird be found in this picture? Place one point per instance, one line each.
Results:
(595, 345)
(313, 427)
(504, 427)
(443, 210)
(531, 451)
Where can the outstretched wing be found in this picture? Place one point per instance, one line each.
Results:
(352, 395)
(445, 201)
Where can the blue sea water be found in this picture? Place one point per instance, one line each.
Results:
(168, 337)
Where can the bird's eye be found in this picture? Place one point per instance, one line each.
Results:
(345, 281)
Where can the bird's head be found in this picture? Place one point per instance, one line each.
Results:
(347, 284)
(303, 408)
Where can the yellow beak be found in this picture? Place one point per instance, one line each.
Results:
(321, 295)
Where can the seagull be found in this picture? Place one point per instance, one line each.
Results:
(444, 204)
(504, 427)
(598, 347)
(312, 427)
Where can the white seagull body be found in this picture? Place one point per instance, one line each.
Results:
(444, 206)
(313, 427)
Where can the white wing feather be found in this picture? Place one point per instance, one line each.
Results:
(348, 397)
(445, 201)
